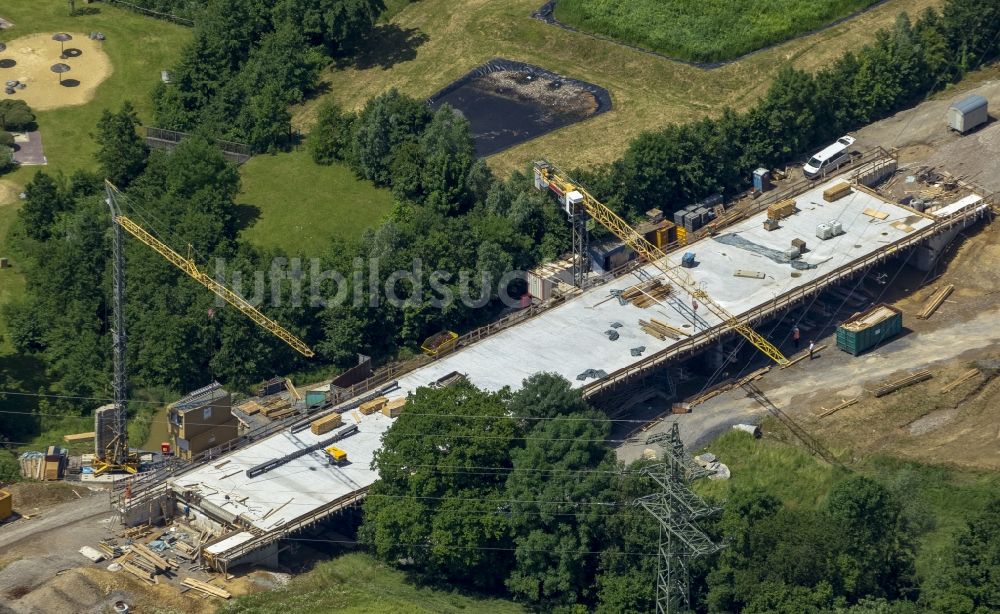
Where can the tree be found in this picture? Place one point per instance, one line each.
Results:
(448, 156)
(872, 522)
(386, 123)
(969, 583)
(43, 203)
(433, 505)
(330, 139)
(121, 151)
(558, 488)
(16, 115)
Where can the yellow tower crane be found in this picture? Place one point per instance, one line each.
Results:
(578, 201)
(111, 441)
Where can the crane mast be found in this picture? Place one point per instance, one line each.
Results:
(113, 451)
(579, 202)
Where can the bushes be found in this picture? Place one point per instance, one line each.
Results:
(673, 167)
(16, 116)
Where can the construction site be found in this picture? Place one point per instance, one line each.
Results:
(670, 324)
(293, 461)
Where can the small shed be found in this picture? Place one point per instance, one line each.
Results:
(968, 113)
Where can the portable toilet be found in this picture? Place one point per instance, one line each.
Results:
(761, 180)
(968, 113)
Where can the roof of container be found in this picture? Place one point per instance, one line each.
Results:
(970, 103)
(200, 397)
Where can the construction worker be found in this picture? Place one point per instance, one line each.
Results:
(795, 335)
(812, 346)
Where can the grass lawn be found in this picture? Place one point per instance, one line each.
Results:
(436, 41)
(358, 584)
(703, 30)
(292, 203)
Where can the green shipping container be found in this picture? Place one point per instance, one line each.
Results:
(315, 397)
(869, 329)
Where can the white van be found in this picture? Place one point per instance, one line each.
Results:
(832, 157)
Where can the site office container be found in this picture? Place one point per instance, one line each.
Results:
(856, 338)
(968, 113)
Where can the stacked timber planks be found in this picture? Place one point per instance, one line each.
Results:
(274, 406)
(909, 380)
(647, 293)
(836, 192)
(325, 424)
(393, 408)
(206, 588)
(79, 437)
(781, 209)
(370, 407)
(935, 301)
(661, 330)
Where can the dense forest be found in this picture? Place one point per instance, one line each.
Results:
(519, 494)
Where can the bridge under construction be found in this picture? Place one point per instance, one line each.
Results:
(602, 339)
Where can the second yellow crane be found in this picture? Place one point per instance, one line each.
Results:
(577, 200)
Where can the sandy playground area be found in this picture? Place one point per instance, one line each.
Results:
(33, 57)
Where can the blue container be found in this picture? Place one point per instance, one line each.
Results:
(761, 180)
(687, 260)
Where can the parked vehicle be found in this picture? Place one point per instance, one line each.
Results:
(829, 158)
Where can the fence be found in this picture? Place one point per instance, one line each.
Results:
(162, 138)
(184, 21)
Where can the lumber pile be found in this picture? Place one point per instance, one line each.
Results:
(250, 408)
(79, 437)
(206, 588)
(158, 563)
(872, 318)
(370, 407)
(647, 293)
(935, 301)
(274, 406)
(826, 412)
(137, 532)
(968, 375)
(393, 408)
(661, 330)
(794, 361)
(836, 192)
(325, 424)
(909, 380)
(781, 209)
(138, 569)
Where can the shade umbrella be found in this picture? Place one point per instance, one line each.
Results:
(60, 69)
(62, 37)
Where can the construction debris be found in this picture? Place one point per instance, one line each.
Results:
(661, 330)
(645, 294)
(968, 375)
(91, 554)
(875, 213)
(206, 588)
(909, 380)
(612, 334)
(826, 412)
(752, 429)
(594, 373)
(721, 471)
(705, 459)
(749, 274)
(935, 301)
(637, 351)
